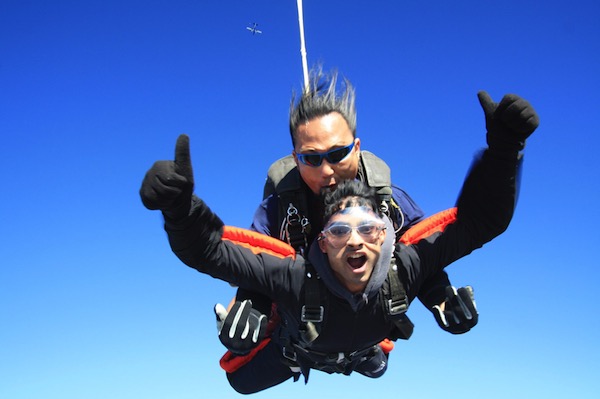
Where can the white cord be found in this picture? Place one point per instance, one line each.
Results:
(302, 45)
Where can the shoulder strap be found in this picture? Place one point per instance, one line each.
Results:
(282, 176)
(396, 300)
(396, 303)
(376, 173)
(283, 179)
(313, 309)
(311, 317)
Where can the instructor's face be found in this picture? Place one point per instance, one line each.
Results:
(321, 135)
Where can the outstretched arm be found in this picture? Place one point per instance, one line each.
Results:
(168, 187)
(487, 200)
(488, 197)
(196, 233)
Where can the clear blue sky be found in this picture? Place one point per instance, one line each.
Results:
(93, 304)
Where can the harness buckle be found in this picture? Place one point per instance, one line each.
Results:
(384, 208)
(312, 315)
(397, 307)
(296, 228)
(289, 356)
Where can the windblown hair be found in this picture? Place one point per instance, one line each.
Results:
(346, 194)
(321, 98)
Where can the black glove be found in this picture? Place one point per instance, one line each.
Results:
(508, 123)
(242, 329)
(460, 312)
(168, 185)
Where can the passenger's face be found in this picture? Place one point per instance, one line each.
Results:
(352, 260)
(321, 135)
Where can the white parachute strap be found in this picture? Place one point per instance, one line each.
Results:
(302, 45)
(282, 230)
(402, 220)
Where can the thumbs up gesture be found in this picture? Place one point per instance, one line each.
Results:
(168, 185)
(509, 123)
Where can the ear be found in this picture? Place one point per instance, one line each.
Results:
(296, 158)
(382, 237)
(357, 144)
(322, 246)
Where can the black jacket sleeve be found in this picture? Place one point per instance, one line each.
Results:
(197, 242)
(485, 208)
(194, 238)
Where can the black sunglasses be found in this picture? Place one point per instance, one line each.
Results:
(333, 156)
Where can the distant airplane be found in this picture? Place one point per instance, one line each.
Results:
(253, 29)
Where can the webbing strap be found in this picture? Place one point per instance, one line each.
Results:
(312, 311)
(397, 303)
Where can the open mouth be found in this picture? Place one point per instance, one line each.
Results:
(356, 261)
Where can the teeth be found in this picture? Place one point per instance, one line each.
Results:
(355, 256)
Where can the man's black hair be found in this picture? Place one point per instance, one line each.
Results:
(321, 98)
(346, 194)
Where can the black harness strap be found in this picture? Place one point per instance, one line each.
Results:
(396, 303)
(311, 316)
(312, 310)
(338, 362)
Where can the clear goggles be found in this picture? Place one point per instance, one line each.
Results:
(369, 227)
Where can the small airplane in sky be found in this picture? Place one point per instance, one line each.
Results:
(253, 28)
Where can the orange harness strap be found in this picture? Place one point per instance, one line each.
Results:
(426, 227)
(257, 242)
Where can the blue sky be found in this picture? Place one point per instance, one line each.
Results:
(93, 304)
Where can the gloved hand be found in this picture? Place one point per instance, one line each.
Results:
(168, 185)
(508, 123)
(460, 312)
(242, 329)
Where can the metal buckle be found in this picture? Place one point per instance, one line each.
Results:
(300, 226)
(310, 316)
(398, 308)
(291, 357)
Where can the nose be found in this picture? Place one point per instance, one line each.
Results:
(327, 169)
(355, 239)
